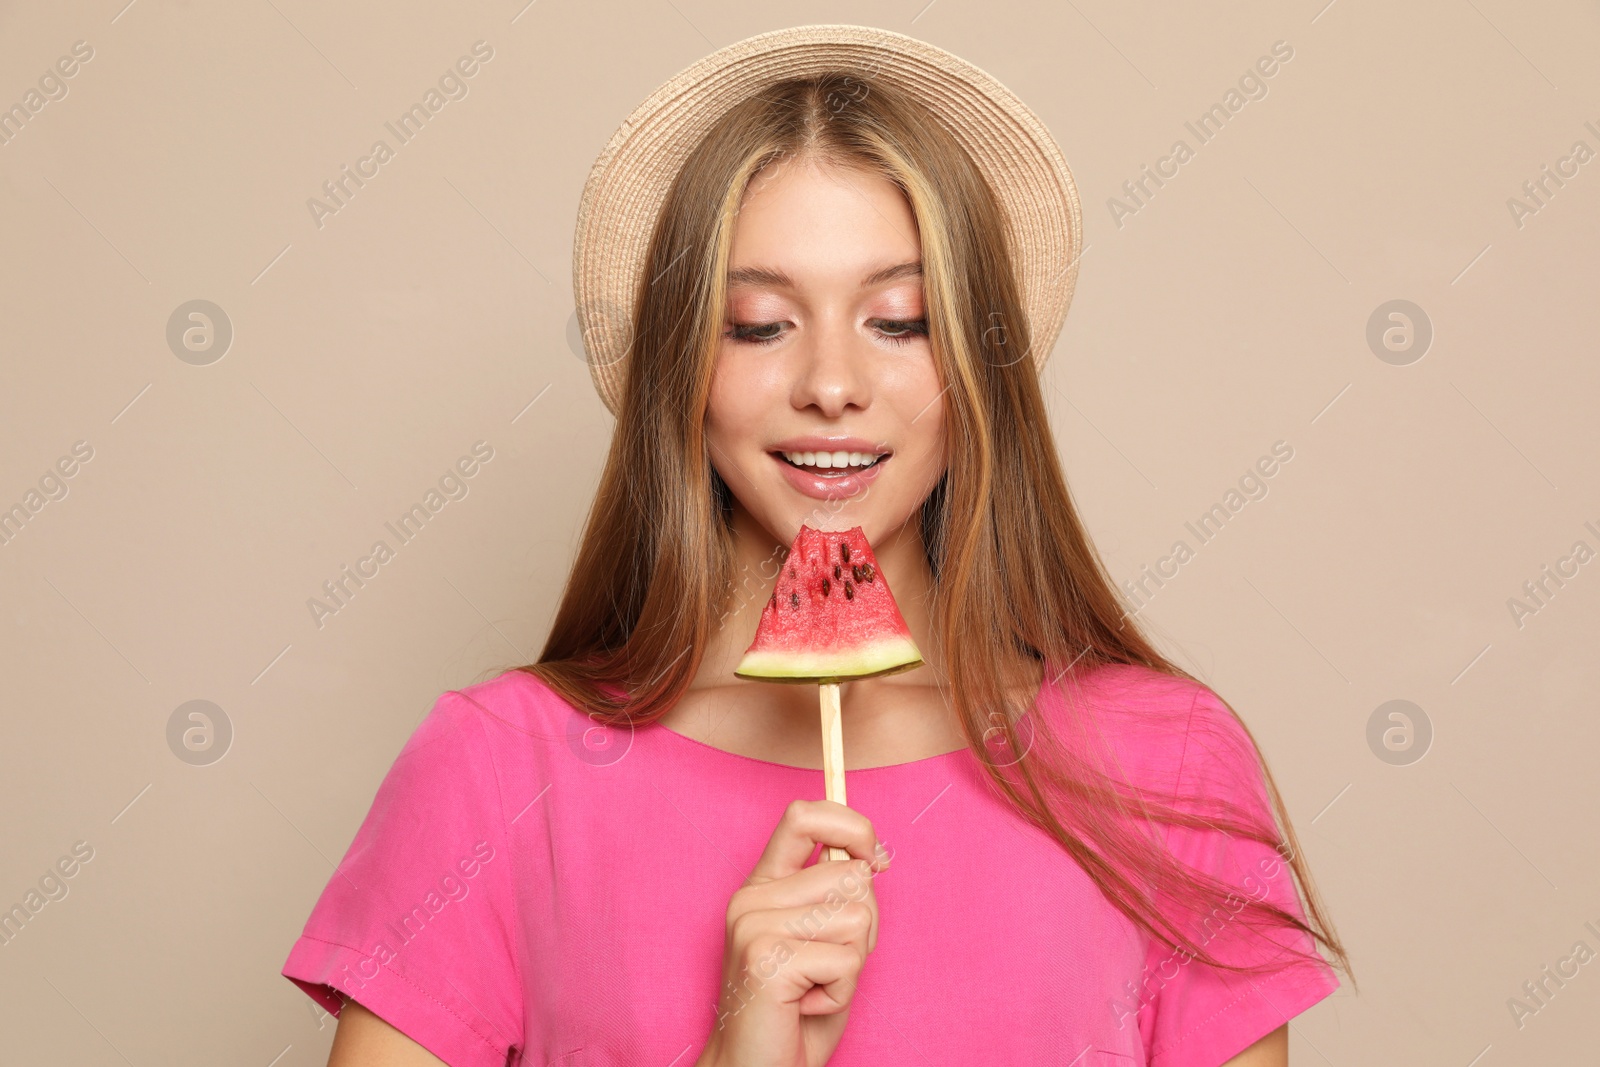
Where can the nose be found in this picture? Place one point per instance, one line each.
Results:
(832, 370)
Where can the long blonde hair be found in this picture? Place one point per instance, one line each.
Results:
(1015, 575)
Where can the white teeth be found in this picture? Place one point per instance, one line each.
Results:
(829, 460)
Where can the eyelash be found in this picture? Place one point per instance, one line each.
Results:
(741, 332)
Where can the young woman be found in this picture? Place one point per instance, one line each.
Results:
(1064, 848)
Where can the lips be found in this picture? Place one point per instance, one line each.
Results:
(831, 485)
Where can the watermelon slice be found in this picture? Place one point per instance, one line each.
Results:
(831, 617)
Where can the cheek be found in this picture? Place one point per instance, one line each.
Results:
(921, 400)
(929, 438)
(737, 407)
(725, 405)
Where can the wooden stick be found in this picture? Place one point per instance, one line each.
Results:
(832, 754)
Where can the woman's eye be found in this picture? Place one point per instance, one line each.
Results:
(895, 331)
(749, 332)
(901, 331)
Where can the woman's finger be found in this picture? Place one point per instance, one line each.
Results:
(851, 923)
(819, 976)
(808, 823)
(833, 971)
(808, 891)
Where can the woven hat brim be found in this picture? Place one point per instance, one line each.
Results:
(629, 181)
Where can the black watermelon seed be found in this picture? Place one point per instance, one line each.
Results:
(826, 585)
(867, 571)
(836, 570)
(844, 551)
(849, 591)
(794, 598)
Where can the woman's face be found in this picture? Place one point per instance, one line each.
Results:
(826, 406)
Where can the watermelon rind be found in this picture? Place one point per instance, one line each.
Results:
(803, 636)
(889, 656)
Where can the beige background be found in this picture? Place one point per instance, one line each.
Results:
(370, 353)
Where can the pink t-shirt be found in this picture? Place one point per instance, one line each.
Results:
(530, 888)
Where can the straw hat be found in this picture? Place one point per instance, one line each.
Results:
(629, 181)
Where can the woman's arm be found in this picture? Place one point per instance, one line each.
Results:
(1270, 1051)
(364, 1040)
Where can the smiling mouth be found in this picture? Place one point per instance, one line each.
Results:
(833, 464)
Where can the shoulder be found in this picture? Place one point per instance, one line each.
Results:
(518, 700)
(1165, 732)
(479, 722)
(482, 751)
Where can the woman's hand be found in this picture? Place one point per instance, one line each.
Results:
(793, 955)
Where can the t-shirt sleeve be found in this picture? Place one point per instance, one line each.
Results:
(418, 921)
(1202, 1016)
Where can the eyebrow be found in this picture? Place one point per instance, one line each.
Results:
(777, 279)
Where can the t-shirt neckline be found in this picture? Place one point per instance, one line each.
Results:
(1044, 684)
